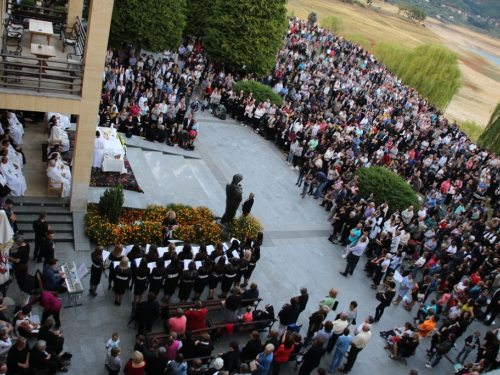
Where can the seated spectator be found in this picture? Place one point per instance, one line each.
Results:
(42, 358)
(177, 324)
(188, 345)
(251, 293)
(53, 339)
(172, 346)
(231, 358)
(406, 346)
(158, 363)
(23, 325)
(196, 369)
(5, 341)
(203, 347)
(196, 317)
(248, 316)
(52, 279)
(252, 347)
(218, 366)
(259, 315)
(140, 344)
(428, 325)
(18, 358)
(178, 366)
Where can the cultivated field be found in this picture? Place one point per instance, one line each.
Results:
(480, 90)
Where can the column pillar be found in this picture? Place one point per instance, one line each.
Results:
(75, 8)
(95, 51)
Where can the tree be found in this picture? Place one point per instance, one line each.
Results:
(260, 92)
(197, 13)
(491, 135)
(387, 186)
(154, 25)
(246, 34)
(332, 23)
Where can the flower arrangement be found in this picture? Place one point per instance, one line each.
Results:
(197, 225)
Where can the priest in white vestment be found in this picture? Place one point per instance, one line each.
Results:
(61, 166)
(15, 180)
(98, 151)
(57, 133)
(16, 128)
(57, 179)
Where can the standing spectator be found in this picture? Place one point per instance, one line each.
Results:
(263, 360)
(405, 286)
(26, 283)
(178, 366)
(357, 345)
(21, 255)
(471, 342)
(231, 358)
(288, 314)
(47, 250)
(353, 254)
(246, 206)
(330, 299)
(440, 351)
(312, 357)
(114, 363)
(40, 227)
(282, 354)
(196, 316)
(146, 312)
(385, 300)
(303, 298)
(51, 305)
(231, 305)
(343, 343)
(136, 366)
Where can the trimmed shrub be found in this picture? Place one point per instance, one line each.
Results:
(260, 92)
(388, 187)
(111, 204)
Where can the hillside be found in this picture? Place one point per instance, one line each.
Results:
(479, 15)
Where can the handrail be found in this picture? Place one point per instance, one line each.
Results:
(37, 59)
(37, 9)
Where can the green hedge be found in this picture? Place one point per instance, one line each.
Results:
(260, 92)
(388, 187)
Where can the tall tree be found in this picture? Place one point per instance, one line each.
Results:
(491, 135)
(246, 33)
(154, 25)
(197, 13)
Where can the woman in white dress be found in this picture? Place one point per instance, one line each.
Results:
(98, 151)
(56, 133)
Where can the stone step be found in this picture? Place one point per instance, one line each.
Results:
(142, 169)
(58, 228)
(159, 147)
(51, 219)
(40, 201)
(49, 210)
(58, 236)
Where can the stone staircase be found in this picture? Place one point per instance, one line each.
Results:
(27, 210)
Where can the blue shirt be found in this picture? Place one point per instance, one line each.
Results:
(343, 343)
(355, 238)
(264, 363)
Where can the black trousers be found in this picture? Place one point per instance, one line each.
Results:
(379, 311)
(352, 261)
(144, 324)
(46, 315)
(353, 355)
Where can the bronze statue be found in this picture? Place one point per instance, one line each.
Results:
(234, 195)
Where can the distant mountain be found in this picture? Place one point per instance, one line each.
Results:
(480, 15)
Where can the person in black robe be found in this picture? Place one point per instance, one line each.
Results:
(187, 282)
(146, 313)
(96, 269)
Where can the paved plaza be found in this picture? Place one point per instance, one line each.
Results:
(296, 251)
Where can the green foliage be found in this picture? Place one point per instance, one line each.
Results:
(154, 25)
(260, 92)
(472, 129)
(387, 186)
(246, 33)
(332, 23)
(359, 39)
(491, 135)
(411, 11)
(111, 204)
(244, 226)
(197, 13)
(30, 3)
(431, 69)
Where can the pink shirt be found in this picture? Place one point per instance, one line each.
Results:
(177, 325)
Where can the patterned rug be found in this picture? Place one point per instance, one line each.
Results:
(108, 179)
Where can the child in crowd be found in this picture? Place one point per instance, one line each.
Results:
(204, 105)
(248, 316)
(113, 342)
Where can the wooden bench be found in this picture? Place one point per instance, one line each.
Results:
(69, 37)
(210, 305)
(217, 329)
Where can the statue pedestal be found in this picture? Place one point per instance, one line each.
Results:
(225, 232)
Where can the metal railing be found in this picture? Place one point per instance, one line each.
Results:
(19, 72)
(22, 13)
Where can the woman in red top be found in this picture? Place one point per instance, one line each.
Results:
(282, 355)
(136, 366)
(196, 317)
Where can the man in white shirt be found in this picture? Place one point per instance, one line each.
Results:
(357, 345)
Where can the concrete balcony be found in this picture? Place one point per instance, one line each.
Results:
(35, 60)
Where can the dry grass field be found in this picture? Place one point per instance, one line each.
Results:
(480, 90)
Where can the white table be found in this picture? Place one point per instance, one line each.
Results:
(112, 145)
(113, 165)
(38, 27)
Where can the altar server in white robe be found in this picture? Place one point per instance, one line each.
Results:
(15, 180)
(16, 128)
(14, 156)
(57, 179)
(56, 133)
(98, 151)
(13, 162)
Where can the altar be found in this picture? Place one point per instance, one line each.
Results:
(114, 152)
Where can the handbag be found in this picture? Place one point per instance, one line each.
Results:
(379, 296)
(335, 305)
(420, 296)
(253, 366)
